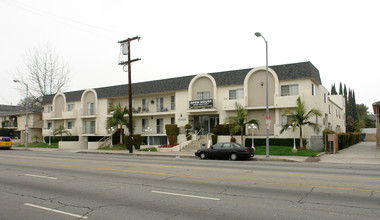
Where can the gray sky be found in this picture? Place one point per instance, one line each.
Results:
(178, 38)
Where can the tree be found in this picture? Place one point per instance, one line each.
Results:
(239, 121)
(299, 118)
(61, 131)
(340, 89)
(333, 90)
(44, 71)
(118, 119)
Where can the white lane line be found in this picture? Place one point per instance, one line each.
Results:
(56, 211)
(46, 177)
(183, 195)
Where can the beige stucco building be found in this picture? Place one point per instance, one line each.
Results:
(202, 100)
(14, 118)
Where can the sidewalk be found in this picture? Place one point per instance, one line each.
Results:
(361, 153)
(181, 154)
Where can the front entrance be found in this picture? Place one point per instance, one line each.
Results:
(206, 123)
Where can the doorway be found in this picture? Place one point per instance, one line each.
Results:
(206, 123)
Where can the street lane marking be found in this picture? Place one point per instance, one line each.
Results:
(45, 177)
(202, 177)
(203, 168)
(55, 210)
(183, 195)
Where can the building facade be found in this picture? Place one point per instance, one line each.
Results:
(14, 119)
(202, 100)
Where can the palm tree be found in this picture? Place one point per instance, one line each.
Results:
(299, 118)
(61, 131)
(118, 118)
(239, 121)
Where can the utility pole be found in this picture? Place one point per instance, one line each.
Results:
(126, 50)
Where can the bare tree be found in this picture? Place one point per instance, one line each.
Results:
(44, 72)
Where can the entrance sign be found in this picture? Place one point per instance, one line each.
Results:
(205, 103)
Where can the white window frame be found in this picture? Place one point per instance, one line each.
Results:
(70, 107)
(203, 95)
(234, 94)
(292, 90)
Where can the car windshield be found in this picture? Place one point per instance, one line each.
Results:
(5, 139)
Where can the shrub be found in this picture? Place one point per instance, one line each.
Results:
(56, 139)
(187, 129)
(172, 132)
(275, 142)
(214, 139)
(136, 141)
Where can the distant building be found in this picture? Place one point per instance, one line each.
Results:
(376, 111)
(14, 118)
(203, 100)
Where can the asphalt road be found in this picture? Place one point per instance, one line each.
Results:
(57, 185)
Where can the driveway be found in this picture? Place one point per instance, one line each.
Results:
(361, 153)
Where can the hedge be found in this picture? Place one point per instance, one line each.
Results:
(136, 141)
(275, 142)
(344, 139)
(224, 129)
(172, 132)
(56, 139)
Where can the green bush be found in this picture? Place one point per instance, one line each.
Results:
(187, 129)
(136, 141)
(56, 139)
(214, 139)
(275, 141)
(172, 132)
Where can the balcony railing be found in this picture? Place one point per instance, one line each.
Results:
(89, 130)
(88, 112)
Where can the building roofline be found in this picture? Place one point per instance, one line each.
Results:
(301, 70)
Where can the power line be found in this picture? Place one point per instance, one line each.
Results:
(63, 20)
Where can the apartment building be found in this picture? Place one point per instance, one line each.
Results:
(202, 100)
(14, 119)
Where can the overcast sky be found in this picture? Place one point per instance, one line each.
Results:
(178, 38)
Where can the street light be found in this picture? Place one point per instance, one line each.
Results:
(258, 34)
(148, 129)
(253, 126)
(111, 130)
(26, 111)
(50, 131)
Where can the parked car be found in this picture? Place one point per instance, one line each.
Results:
(5, 143)
(226, 150)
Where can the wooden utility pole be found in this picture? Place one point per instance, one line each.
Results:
(127, 51)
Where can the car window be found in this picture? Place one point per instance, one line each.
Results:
(227, 146)
(5, 139)
(217, 146)
(236, 145)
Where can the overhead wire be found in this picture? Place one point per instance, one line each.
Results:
(63, 20)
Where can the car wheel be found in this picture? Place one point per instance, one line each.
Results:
(233, 156)
(202, 155)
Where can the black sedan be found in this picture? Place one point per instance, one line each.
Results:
(226, 150)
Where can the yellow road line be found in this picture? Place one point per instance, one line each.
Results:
(206, 178)
(204, 168)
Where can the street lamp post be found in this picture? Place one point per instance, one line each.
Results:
(26, 111)
(252, 127)
(148, 129)
(258, 34)
(111, 130)
(50, 136)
